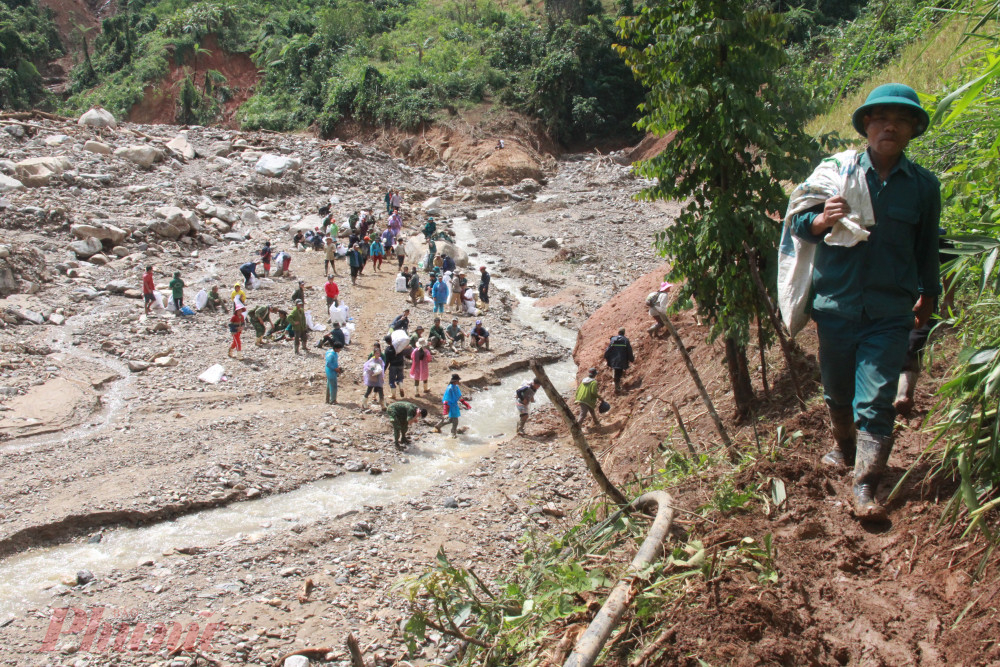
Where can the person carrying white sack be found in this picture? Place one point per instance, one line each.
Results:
(860, 250)
(658, 303)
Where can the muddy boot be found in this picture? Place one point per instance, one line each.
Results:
(392, 392)
(872, 456)
(653, 329)
(364, 403)
(230, 353)
(381, 402)
(522, 420)
(260, 340)
(426, 390)
(845, 437)
(416, 388)
(904, 394)
(401, 394)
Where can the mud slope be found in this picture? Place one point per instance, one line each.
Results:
(899, 593)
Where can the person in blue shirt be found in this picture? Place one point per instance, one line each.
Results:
(332, 371)
(867, 297)
(439, 292)
(451, 400)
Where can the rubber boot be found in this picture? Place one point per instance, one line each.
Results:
(904, 393)
(381, 402)
(653, 329)
(364, 403)
(872, 456)
(416, 388)
(401, 394)
(844, 436)
(426, 390)
(260, 340)
(392, 392)
(230, 353)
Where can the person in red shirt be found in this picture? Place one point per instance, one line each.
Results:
(236, 328)
(148, 286)
(332, 291)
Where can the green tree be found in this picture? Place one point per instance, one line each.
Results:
(712, 70)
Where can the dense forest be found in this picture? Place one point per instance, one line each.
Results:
(393, 62)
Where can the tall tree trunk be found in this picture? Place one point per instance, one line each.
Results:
(739, 376)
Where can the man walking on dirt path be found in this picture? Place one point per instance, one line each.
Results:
(587, 398)
(394, 362)
(402, 414)
(332, 371)
(354, 260)
(524, 397)
(619, 355)
(297, 320)
(330, 263)
(148, 287)
(867, 294)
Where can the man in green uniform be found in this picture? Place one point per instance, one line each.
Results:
(867, 296)
(260, 317)
(402, 414)
(297, 320)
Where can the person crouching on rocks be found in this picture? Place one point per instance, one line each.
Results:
(401, 414)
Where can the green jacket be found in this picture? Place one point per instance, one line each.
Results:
(586, 393)
(297, 319)
(177, 288)
(885, 275)
(401, 411)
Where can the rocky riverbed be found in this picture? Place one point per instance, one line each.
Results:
(108, 437)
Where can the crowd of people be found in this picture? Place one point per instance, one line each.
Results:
(406, 351)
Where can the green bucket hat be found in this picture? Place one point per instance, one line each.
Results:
(894, 94)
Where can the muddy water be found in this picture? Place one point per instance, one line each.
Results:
(27, 579)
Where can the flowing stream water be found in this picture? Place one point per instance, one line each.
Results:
(26, 579)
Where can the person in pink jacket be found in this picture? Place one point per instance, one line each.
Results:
(421, 357)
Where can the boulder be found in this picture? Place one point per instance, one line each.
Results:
(100, 231)
(416, 250)
(432, 206)
(99, 118)
(306, 224)
(137, 366)
(118, 286)
(144, 156)
(56, 139)
(467, 181)
(97, 147)
(220, 149)
(8, 184)
(175, 222)
(7, 167)
(37, 171)
(86, 248)
(56, 318)
(180, 145)
(235, 236)
(550, 243)
(226, 214)
(100, 259)
(276, 165)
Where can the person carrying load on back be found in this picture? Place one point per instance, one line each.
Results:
(658, 302)
(524, 397)
(869, 223)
